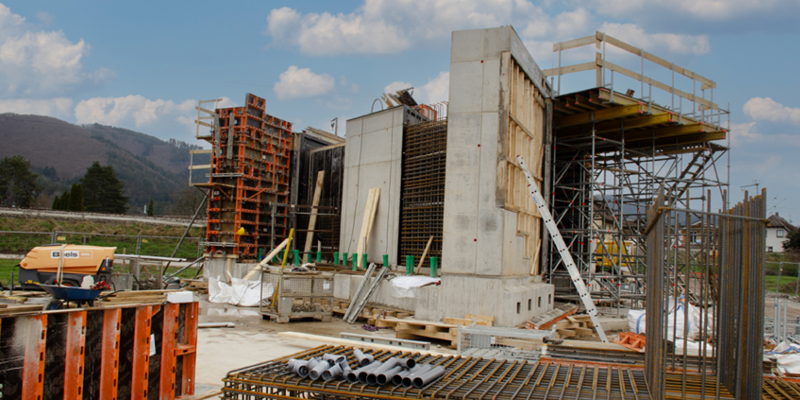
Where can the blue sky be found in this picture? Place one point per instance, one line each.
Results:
(143, 65)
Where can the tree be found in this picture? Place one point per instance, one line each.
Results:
(793, 244)
(65, 199)
(103, 191)
(56, 203)
(76, 198)
(151, 208)
(18, 187)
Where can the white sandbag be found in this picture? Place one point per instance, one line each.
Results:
(789, 363)
(248, 293)
(636, 321)
(218, 291)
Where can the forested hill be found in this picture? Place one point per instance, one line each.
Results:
(61, 152)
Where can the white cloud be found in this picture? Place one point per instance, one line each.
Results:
(41, 62)
(396, 85)
(122, 110)
(384, 26)
(674, 43)
(744, 133)
(766, 109)
(58, 107)
(45, 17)
(299, 83)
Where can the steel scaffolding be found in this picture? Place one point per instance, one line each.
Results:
(613, 152)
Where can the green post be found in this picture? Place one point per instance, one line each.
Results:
(259, 254)
(336, 258)
(385, 261)
(297, 258)
(434, 262)
(319, 257)
(355, 261)
(364, 261)
(409, 265)
(344, 259)
(310, 257)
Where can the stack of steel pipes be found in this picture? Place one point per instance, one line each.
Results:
(396, 370)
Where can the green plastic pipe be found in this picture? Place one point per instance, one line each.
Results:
(385, 261)
(310, 257)
(434, 262)
(355, 261)
(336, 257)
(344, 259)
(319, 257)
(364, 261)
(297, 258)
(409, 265)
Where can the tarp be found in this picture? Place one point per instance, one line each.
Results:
(676, 320)
(406, 286)
(239, 293)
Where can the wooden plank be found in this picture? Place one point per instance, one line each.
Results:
(489, 318)
(266, 259)
(425, 333)
(571, 44)
(467, 322)
(424, 253)
(565, 333)
(662, 86)
(415, 322)
(569, 69)
(583, 331)
(370, 208)
(657, 60)
(599, 115)
(312, 220)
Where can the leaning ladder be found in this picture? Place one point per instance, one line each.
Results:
(562, 250)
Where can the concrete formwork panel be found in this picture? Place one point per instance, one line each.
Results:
(374, 160)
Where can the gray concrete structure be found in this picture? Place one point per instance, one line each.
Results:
(374, 160)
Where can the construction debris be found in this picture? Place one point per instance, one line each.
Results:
(548, 319)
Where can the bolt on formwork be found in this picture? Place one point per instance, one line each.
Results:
(249, 170)
(613, 153)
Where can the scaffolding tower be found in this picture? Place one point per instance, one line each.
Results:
(612, 153)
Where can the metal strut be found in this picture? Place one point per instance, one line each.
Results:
(562, 250)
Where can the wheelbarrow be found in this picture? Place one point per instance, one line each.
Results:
(78, 295)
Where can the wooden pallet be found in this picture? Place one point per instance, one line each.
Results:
(136, 297)
(195, 285)
(633, 341)
(572, 326)
(371, 313)
(552, 317)
(421, 330)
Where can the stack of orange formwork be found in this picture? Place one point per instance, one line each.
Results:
(249, 172)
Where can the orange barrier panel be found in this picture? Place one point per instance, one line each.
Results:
(33, 367)
(73, 362)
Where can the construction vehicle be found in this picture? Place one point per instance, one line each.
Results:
(40, 265)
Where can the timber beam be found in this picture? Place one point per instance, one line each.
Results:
(599, 115)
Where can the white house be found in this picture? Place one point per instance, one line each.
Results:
(777, 232)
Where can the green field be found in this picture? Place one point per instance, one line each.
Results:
(6, 268)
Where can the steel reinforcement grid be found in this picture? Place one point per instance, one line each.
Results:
(422, 198)
(464, 377)
(713, 265)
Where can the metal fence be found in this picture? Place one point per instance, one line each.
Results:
(18, 242)
(500, 343)
(790, 267)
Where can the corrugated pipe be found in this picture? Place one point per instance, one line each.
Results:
(408, 380)
(398, 379)
(423, 380)
(387, 376)
(372, 377)
(363, 359)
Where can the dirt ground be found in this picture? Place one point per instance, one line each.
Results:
(793, 303)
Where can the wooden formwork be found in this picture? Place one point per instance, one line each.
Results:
(128, 352)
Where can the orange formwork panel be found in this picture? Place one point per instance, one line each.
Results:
(99, 353)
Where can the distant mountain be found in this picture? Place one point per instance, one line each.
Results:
(61, 152)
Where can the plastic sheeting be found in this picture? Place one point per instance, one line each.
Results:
(239, 293)
(406, 286)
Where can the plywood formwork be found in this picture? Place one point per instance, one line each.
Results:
(525, 120)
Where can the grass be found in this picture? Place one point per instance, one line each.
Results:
(770, 282)
(6, 268)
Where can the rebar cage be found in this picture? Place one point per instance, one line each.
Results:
(299, 295)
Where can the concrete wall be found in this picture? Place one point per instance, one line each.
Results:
(374, 160)
(774, 241)
(480, 237)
